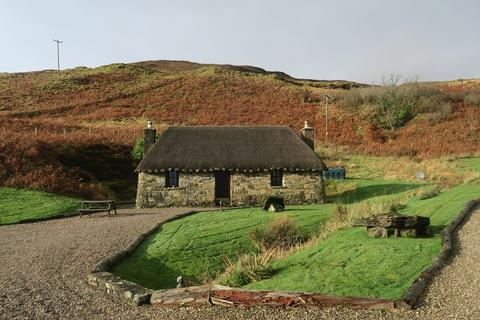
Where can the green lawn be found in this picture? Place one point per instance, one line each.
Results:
(17, 205)
(470, 163)
(349, 263)
(196, 244)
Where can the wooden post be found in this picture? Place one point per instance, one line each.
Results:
(326, 119)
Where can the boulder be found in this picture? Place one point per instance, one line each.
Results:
(274, 204)
(396, 225)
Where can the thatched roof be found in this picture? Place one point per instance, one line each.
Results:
(230, 148)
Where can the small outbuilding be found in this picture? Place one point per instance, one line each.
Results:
(235, 165)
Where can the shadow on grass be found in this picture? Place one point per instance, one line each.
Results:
(289, 209)
(437, 229)
(374, 190)
(152, 275)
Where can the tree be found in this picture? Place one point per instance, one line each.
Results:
(393, 106)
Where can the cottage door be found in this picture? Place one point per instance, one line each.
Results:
(222, 187)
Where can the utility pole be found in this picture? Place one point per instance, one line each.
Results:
(327, 98)
(58, 53)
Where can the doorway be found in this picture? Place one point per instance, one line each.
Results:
(222, 187)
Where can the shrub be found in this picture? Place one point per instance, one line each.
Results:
(340, 211)
(248, 268)
(393, 107)
(429, 192)
(442, 113)
(454, 96)
(427, 104)
(472, 99)
(281, 233)
(428, 90)
(137, 151)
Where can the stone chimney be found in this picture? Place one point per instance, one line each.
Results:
(149, 136)
(307, 134)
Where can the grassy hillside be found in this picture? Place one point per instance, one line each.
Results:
(44, 115)
(24, 205)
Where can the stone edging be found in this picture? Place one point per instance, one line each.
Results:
(231, 297)
(101, 277)
(412, 296)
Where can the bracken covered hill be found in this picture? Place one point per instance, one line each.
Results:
(72, 131)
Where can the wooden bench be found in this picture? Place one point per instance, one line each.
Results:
(89, 207)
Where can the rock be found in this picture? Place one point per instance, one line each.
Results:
(378, 232)
(408, 233)
(396, 224)
(179, 282)
(274, 204)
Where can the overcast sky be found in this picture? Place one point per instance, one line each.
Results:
(334, 39)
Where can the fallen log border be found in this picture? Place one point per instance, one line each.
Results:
(101, 277)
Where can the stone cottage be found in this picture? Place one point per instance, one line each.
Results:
(235, 165)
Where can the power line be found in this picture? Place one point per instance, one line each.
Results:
(58, 53)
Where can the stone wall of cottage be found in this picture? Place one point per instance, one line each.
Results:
(246, 189)
(255, 188)
(196, 189)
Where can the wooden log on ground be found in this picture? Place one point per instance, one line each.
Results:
(237, 297)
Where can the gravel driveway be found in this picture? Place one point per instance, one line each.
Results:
(43, 267)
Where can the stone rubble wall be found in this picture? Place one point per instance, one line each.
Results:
(254, 188)
(246, 189)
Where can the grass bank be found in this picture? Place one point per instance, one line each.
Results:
(343, 262)
(17, 205)
(349, 263)
(195, 246)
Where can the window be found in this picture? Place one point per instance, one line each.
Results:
(276, 178)
(171, 179)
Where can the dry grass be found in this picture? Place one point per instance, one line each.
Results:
(281, 233)
(248, 268)
(445, 172)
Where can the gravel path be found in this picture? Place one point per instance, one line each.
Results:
(43, 267)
